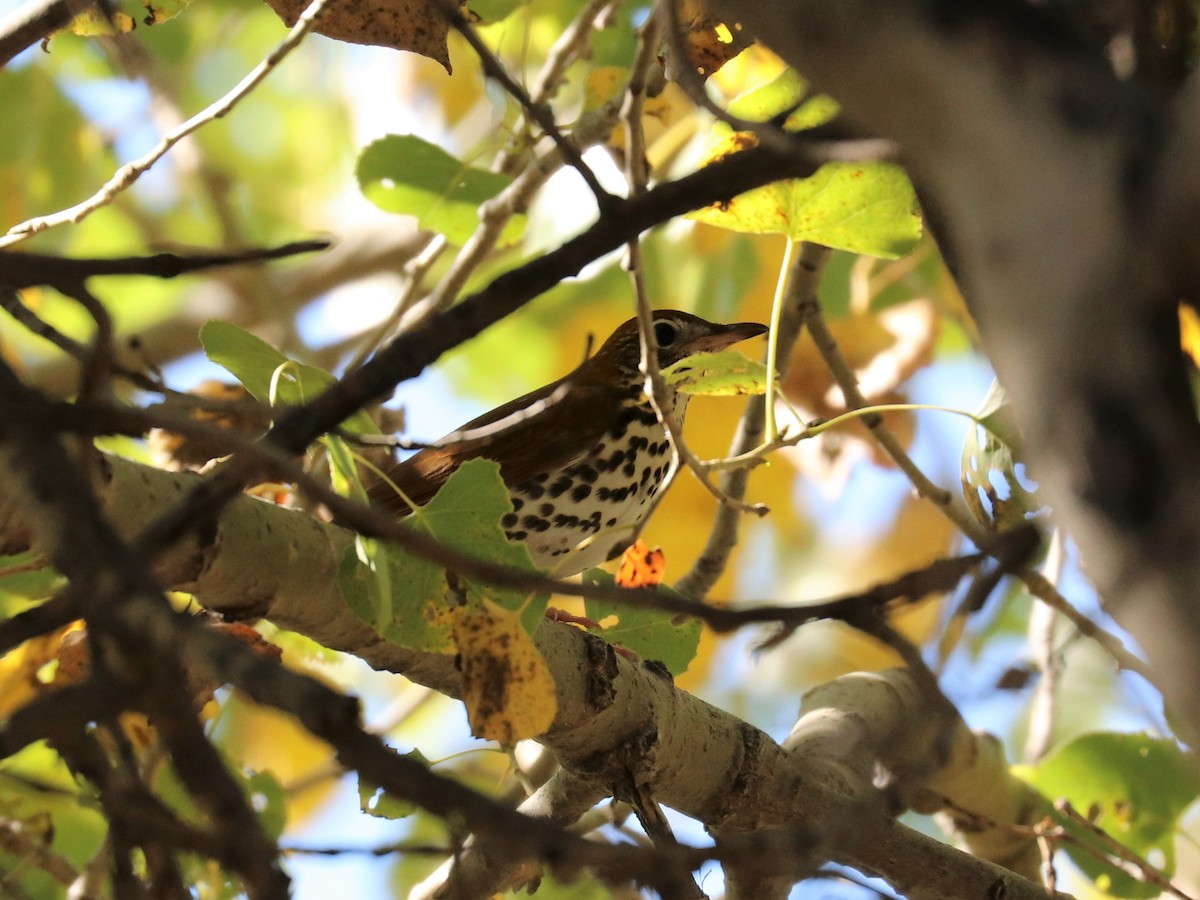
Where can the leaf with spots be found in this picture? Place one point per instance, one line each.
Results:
(507, 686)
(409, 604)
(650, 633)
(861, 207)
(418, 26)
(724, 374)
(708, 41)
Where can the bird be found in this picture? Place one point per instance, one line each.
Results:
(582, 457)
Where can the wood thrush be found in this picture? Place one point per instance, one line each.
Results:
(583, 456)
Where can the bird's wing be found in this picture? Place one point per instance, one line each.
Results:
(532, 444)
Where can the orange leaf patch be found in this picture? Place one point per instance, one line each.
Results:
(641, 566)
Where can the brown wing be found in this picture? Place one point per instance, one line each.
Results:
(545, 441)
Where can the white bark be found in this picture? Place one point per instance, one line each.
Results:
(617, 719)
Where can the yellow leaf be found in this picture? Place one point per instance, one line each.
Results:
(1189, 332)
(19, 682)
(93, 22)
(507, 686)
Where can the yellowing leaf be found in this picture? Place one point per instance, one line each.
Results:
(19, 668)
(724, 374)
(94, 23)
(861, 207)
(1189, 332)
(507, 685)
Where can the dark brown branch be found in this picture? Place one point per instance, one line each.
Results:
(409, 354)
(20, 270)
(35, 21)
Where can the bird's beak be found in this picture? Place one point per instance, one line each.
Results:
(726, 336)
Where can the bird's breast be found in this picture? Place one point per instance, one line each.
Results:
(587, 512)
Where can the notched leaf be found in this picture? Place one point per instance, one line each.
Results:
(650, 633)
(992, 486)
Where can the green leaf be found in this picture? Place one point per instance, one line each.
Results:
(465, 514)
(269, 800)
(22, 590)
(650, 633)
(403, 174)
(861, 207)
(267, 374)
(724, 374)
(375, 801)
(1138, 785)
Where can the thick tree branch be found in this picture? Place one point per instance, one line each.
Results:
(701, 761)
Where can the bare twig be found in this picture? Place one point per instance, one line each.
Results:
(637, 175)
(708, 567)
(21, 270)
(942, 500)
(133, 170)
(538, 112)
(30, 23)
(1114, 852)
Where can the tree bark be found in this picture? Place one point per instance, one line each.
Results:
(1067, 203)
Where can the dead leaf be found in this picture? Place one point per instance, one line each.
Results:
(418, 26)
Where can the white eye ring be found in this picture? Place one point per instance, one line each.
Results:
(665, 333)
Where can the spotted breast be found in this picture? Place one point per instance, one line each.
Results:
(582, 457)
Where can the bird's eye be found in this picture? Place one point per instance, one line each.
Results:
(665, 333)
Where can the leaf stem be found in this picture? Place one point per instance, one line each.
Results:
(814, 430)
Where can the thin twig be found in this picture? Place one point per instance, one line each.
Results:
(637, 175)
(20, 270)
(133, 170)
(538, 112)
(942, 499)
(1125, 858)
(34, 21)
(843, 374)
(497, 212)
(803, 280)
